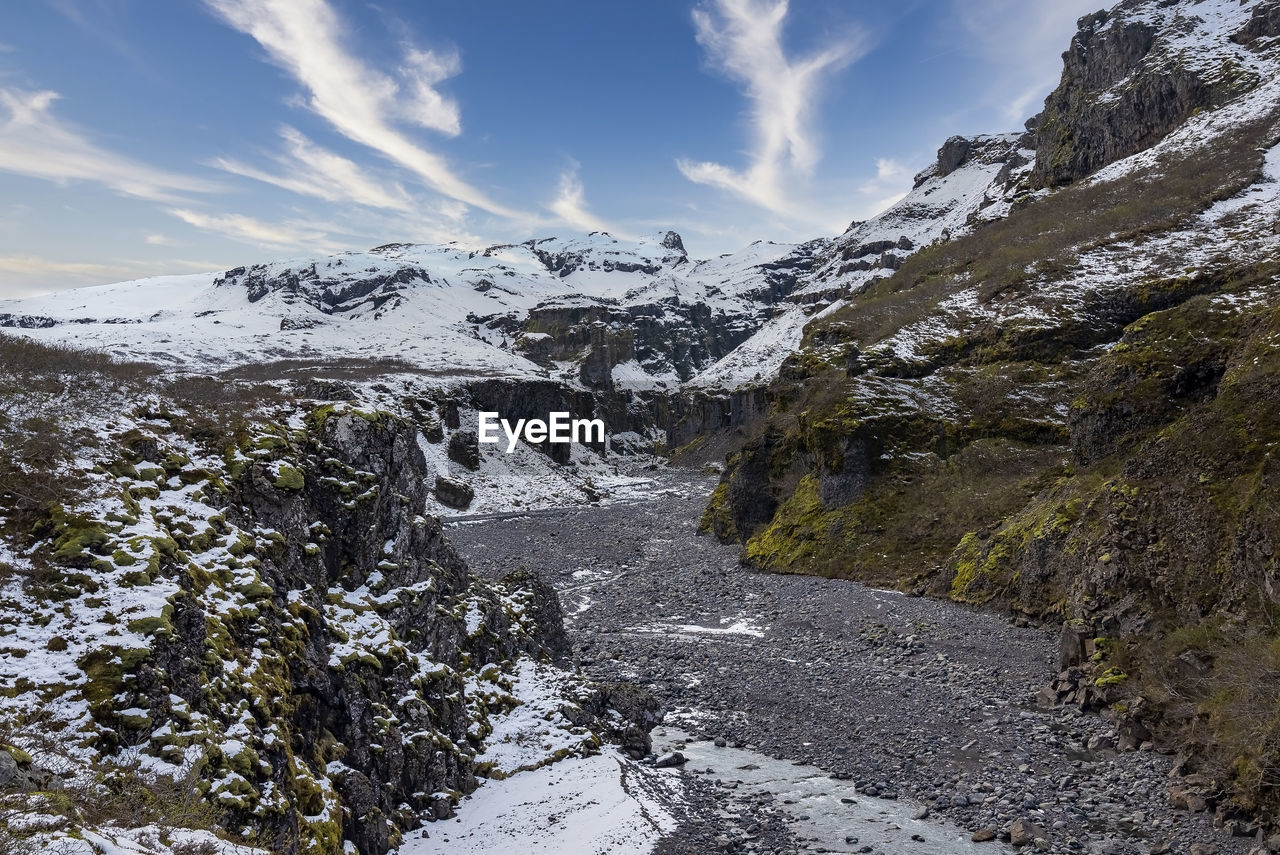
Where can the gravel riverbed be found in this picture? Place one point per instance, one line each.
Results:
(910, 699)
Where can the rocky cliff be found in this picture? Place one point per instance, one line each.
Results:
(1065, 411)
(247, 597)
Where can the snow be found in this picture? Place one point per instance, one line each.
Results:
(741, 625)
(549, 791)
(439, 310)
(535, 732)
(581, 806)
(145, 840)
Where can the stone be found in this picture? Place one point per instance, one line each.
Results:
(1023, 831)
(441, 807)
(1072, 645)
(464, 449)
(983, 835)
(9, 772)
(953, 154)
(670, 760)
(1187, 799)
(453, 493)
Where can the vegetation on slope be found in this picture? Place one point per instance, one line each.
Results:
(1107, 463)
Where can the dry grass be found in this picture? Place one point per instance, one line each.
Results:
(1044, 238)
(119, 794)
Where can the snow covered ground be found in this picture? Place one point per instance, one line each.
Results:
(549, 791)
(580, 806)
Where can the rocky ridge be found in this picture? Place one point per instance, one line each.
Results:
(267, 618)
(1061, 412)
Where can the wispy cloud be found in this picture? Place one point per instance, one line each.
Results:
(33, 264)
(743, 39)
(304, 37)
(35, 142)
(891, 183)
(570, 205)
(311, 170)
(246, 229)
(1026, 38)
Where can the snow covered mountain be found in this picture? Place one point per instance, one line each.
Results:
(593, 311)
(590, 310)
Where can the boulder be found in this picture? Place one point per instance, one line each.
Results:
(454, 493)
(464, 449)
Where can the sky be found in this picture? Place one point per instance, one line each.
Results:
(140, 137)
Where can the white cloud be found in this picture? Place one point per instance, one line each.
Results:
(421, 71)
(249, 230)
(888, 171)
(33, 264)
(34, 142)
(890, 186)
(310, 170)
(743, 39)
(159, 240)
(304, 37)
(570, 205)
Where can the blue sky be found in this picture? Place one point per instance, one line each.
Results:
(140, 137)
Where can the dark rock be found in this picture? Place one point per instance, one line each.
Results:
(454, 493)
(670, 760)
(1079, 132)
(953, 154)
(464, 449)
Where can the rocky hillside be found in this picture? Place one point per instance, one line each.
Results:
(1069, 410)
(226, 611)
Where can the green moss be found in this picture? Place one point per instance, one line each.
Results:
(257, 590)
(162, 624)
(1110, 677)
(320, 415)
(797, 533)
(289, 478)
(19, 756)
(269, 442)
(77, 537)
(717, 519)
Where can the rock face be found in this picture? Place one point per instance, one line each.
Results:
(1127, 81)
(360, 710)
(283, 618)
(953, 154)
(1057, 411)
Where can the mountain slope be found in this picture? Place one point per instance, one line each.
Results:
(1068, 411)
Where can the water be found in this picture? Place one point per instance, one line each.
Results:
(827, 811)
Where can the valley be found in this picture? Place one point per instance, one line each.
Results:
(928, 703)
(956, 531)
